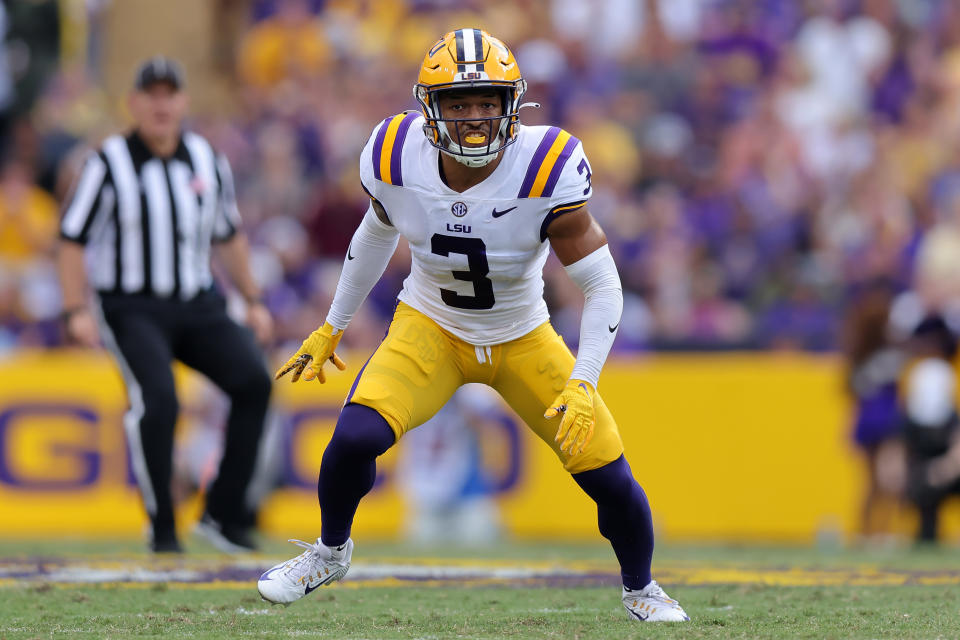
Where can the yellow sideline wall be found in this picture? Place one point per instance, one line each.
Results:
(727, 447)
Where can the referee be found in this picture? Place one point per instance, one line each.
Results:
(138, 230)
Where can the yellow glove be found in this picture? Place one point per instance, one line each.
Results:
(318, 348)
(575, 402)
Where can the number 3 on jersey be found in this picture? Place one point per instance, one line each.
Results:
(476, 252)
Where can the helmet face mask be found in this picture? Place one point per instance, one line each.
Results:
(470, 60)
(454, 133)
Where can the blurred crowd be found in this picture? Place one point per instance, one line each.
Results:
(756, 163)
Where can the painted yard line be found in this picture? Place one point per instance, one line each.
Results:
(233, 577)
(255, 561)
(367, 573)
(250, 585)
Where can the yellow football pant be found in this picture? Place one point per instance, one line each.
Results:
(419, 365)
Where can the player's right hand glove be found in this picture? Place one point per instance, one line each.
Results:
(575, 402)
(316, 349)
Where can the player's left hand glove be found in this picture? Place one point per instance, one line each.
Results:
(575, 402)
(316, 349)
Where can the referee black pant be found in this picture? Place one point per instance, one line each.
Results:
(145, 335)
(927, 498)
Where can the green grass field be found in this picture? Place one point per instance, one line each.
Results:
(399, 591)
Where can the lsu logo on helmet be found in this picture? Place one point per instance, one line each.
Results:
(470, 59)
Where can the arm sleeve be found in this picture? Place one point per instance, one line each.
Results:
(596, 275)
(84, 202)
(370, 249)
(227, 222)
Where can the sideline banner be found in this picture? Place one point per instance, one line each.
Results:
(727, 447)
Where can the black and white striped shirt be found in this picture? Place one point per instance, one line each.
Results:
(148, 222)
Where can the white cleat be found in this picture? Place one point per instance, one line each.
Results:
(652, 604)
(319, 565)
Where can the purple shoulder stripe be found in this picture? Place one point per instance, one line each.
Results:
(537, 160)
(554, 176)
(396, 153)
(378, 147)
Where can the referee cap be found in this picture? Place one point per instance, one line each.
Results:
(159, 69)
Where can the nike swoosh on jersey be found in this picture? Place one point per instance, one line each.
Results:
(349, 247)
(613, 328)
(497, 214)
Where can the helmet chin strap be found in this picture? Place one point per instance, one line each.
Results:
(474, 161)
(471, 161)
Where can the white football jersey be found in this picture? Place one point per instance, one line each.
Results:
(476, 257)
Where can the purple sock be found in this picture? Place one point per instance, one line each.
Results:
(624, 517)
(349, 468)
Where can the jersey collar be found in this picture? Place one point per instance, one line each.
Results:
(487, 188)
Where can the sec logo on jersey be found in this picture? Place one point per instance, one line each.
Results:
(458, 209)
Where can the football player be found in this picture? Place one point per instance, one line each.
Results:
(480, 198)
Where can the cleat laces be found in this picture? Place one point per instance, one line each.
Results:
(310, 557)
(654, 590)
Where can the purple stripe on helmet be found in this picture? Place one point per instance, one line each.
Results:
(459, 38)
(396, 154)
(478, 48)
(554, 176)
(538, 157)
(378, 147)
